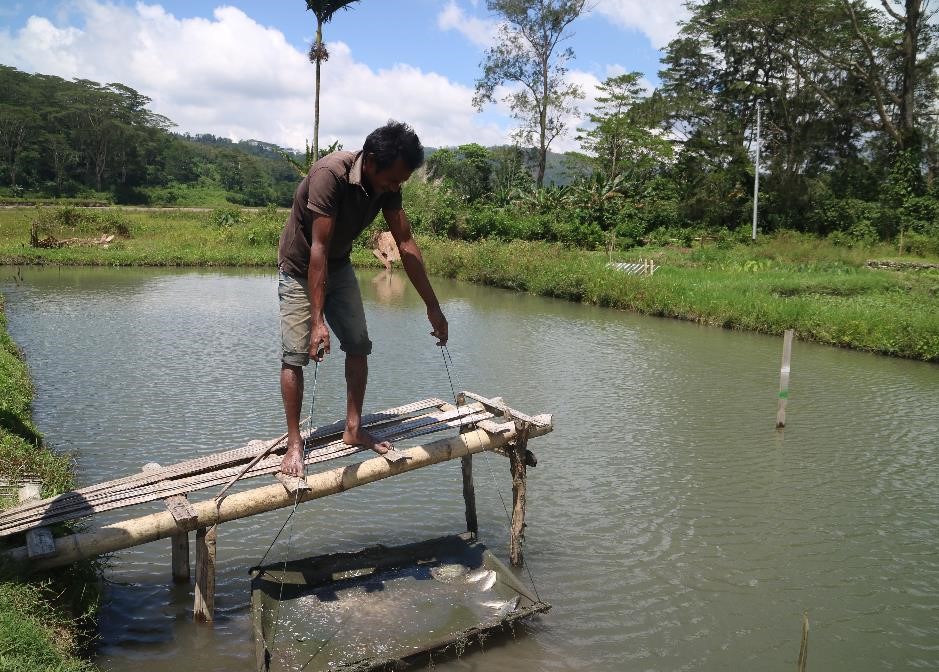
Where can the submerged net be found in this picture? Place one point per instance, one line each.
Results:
(367, 610)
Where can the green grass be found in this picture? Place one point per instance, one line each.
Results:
(34, 635)
(153, 237)
(833, 300)
(822, 290)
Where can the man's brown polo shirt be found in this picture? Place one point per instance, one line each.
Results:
(333, 188)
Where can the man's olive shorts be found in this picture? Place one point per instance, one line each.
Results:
(343, 311)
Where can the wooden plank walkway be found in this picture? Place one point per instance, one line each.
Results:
(483, 424)
(324, 444)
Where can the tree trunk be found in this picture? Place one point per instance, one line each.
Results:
(316, 104)
(911, 28)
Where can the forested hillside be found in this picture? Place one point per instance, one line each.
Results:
(99, 141)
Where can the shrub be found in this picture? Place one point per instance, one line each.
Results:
(226, 217)
(432, 208)
(575, 232)
(264, 227)
(921, 245)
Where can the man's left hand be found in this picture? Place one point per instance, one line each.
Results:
(439, 323)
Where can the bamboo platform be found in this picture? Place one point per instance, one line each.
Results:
(478, 423)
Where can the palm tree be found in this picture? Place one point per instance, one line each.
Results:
(324, 10)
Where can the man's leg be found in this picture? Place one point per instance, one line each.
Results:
(291, 389)
(356, 381)
(295, 345)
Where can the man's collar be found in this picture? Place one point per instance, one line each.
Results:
(355, 174)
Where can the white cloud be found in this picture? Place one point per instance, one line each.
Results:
(478, 31)
(657, 20)
(233, 77)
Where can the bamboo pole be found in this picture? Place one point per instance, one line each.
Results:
(134, 532)
(517, 467)
(784, 380)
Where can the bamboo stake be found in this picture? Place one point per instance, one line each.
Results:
(804, 645)
(128, 533)
(784, 380)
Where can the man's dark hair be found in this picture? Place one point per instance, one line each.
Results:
(395, 140)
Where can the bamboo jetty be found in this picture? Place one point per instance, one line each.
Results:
(481, 424)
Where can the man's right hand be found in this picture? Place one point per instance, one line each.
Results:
(319, 341)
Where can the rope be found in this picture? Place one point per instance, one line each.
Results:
(446, 355)
(296, 502)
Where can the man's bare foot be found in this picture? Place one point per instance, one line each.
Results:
(362, 438)
(292, 464)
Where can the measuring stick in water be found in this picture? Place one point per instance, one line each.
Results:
(784, 380)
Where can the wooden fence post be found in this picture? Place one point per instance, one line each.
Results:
(784, 380)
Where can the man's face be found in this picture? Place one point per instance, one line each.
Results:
(387, 179)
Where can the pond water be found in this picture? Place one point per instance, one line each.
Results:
(670, 525)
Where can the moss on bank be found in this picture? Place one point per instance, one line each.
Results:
(45, 622)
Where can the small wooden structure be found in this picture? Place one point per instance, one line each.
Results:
(480, 424)
(641, 267)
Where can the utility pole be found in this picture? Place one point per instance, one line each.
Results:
(756, 175)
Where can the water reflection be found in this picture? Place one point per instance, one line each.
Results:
(389, 286)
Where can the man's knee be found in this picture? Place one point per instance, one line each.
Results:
(291, 374)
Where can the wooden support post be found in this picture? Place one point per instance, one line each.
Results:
(180, 545)
(186, 519)
(784, 380)
(469, 495)
(39, 540)
(517, 465)
(204, 606)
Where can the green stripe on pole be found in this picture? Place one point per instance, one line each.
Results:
(784, 394)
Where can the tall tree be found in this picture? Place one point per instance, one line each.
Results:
(621, 137)
(467, 170)
(889, 49)
(324, 11)
(527, 55)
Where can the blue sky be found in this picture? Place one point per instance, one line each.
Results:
(238, 69)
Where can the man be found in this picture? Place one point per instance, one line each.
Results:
(340, 197)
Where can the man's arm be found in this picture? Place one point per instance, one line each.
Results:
(316, 281)
(413, 264)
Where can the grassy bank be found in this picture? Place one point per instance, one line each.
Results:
(34, 634)
(822, 290)
(826, 294)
